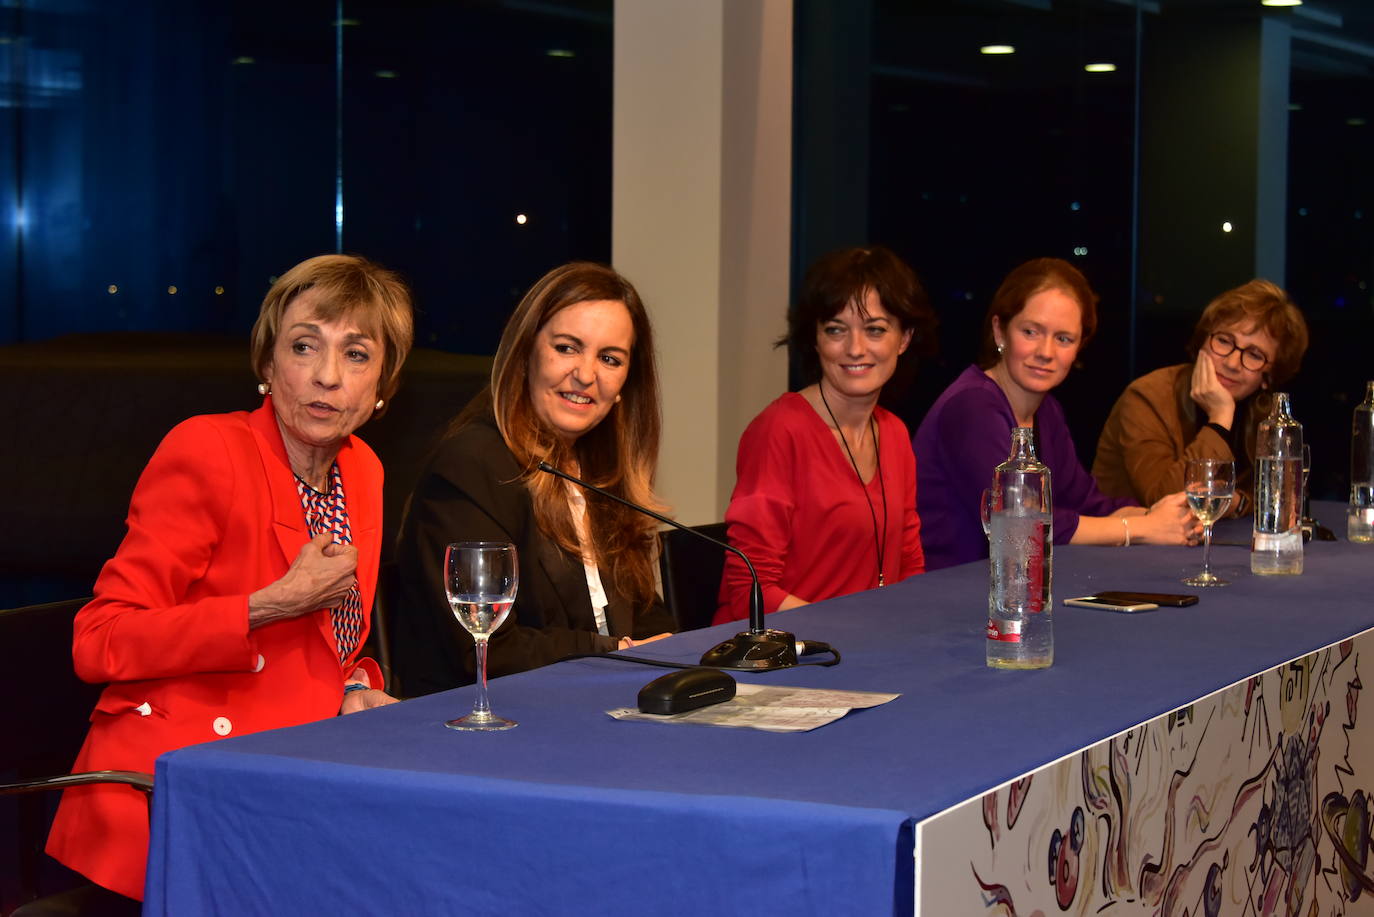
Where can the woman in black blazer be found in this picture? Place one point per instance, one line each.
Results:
(573, 384)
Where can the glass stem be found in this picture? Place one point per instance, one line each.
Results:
(481, 708)
(1207, 550)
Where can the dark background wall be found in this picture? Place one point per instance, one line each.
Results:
(153, 144)
(974, 163)
(161, 162)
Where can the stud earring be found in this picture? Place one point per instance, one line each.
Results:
(617, 399)
(1000, 348)
(264, 388)
(378, 405)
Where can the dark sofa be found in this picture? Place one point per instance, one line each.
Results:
(82, 414)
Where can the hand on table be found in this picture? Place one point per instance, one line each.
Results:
(626, 642)
(1169, 521)
(364, 700)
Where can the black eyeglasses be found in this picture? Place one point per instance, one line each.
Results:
(1223, 345)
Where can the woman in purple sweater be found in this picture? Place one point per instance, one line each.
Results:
(1040, 317)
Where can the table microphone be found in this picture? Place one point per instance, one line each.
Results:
(758, 648)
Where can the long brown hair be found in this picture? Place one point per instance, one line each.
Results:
(620, 453)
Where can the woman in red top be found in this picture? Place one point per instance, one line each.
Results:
(241, 595)
(825, 490)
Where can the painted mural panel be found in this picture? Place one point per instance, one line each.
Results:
(1253, 801)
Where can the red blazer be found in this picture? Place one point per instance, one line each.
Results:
(215, 516)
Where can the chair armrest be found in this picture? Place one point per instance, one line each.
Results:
(141, 782)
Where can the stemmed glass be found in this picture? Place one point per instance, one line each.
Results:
(1311, 528)
(1209, 484)
(480, 579)
(1307, 523)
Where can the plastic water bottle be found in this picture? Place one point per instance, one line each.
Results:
(1276, 545)
(1021, 560)
(1360, 517)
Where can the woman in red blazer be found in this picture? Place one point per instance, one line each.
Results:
(240, 596)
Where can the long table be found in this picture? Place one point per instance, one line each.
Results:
(923, 805)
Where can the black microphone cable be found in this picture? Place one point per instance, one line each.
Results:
(760, 648)
(804, 648)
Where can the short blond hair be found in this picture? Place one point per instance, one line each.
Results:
(345, 285)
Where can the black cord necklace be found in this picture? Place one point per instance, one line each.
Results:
(879, 543)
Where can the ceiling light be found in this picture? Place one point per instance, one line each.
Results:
(1281, 2)
(1100, 68)
(997, 49)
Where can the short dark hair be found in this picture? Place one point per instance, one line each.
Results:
(1026, 280)
(1268, 306)
(844, 277)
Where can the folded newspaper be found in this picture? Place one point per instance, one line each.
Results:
(772, 708)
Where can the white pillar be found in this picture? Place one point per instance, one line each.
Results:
(701, 220)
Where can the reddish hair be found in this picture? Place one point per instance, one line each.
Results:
(1036, 276)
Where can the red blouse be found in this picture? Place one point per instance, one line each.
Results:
(798, 511)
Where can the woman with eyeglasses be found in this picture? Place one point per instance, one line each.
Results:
(1248, 340)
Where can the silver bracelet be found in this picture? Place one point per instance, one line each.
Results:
(1127, 526)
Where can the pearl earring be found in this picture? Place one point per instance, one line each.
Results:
(264, 388)
(617, 399)
(1000, 348)
(380, 402)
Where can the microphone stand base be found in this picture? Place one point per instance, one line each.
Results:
(762, 651)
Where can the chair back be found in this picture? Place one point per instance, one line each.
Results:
(41, 730)
(49, 722)
(691, 568)
(378, 644)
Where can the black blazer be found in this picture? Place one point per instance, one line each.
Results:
(470, 491)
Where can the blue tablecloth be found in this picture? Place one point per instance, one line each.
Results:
(573, 812)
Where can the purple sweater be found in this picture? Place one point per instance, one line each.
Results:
(967, 434)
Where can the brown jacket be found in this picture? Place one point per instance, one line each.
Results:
(1154, 428)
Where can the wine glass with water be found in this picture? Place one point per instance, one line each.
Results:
(480, 579)
(1209, 485)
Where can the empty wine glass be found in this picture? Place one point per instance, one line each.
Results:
(480, 579)
(1209, 485)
